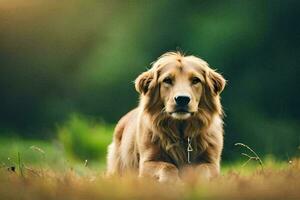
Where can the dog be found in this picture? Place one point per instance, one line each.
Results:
(178, 123)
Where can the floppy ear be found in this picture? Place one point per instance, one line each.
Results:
(216, 82)
(143, 81)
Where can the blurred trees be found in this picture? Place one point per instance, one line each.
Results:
(59, 58)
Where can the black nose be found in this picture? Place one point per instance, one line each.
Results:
(182, 100)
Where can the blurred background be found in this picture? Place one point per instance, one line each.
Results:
(67, 70)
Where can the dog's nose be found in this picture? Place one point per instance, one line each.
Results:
(182, 100)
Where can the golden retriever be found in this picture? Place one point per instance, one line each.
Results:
(177, 124)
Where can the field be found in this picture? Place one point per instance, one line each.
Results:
(67, 75)
(39, 170)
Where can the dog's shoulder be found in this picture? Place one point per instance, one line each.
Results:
(124, 123)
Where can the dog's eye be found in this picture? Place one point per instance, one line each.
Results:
(195, 80)
(168, 81)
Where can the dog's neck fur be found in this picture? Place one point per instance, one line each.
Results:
(172, 136)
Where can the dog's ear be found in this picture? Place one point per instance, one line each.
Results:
(143, 81)
(216, 82)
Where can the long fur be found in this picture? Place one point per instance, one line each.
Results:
(150, 127)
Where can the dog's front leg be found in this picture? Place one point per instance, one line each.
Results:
(201, 171)
(207, 170)
(163, 171)
(151, 163)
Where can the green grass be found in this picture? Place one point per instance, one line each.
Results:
(80, 142)
(73, 165)
(34, 152)
(45, 171)
(52, 154)
(85, 139)
(269, 162)
(42, 154)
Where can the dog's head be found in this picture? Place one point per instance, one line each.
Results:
(180, 86)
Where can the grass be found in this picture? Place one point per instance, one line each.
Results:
(85, 139)
(42, 170)
(33, 152)
(81, 142)
(72, 167)
(40, 154)
(272, 183)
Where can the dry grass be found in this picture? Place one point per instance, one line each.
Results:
(272, 183)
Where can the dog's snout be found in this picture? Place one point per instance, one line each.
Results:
(182, 100)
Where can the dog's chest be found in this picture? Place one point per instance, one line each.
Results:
(182, 152)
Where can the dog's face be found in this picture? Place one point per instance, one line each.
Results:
(181, 84)
(180, 89)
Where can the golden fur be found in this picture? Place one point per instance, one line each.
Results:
(152, 138)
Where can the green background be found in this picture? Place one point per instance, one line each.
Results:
(67, 67)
